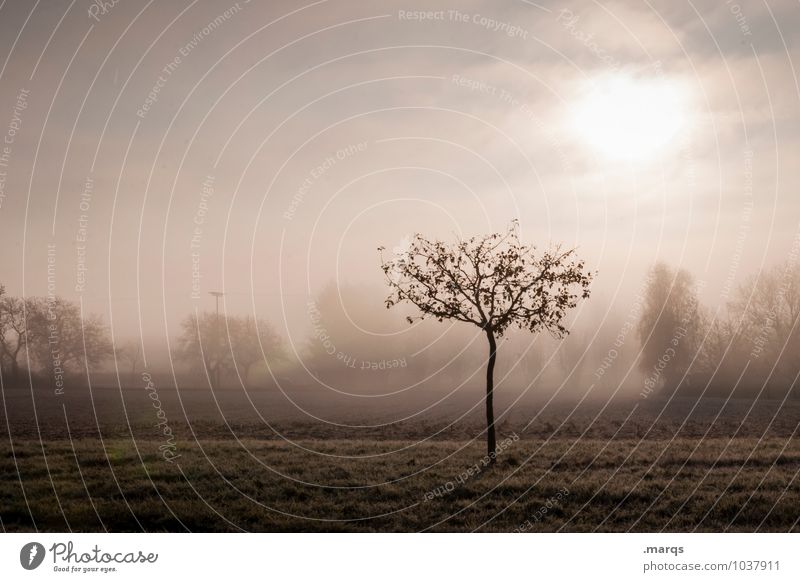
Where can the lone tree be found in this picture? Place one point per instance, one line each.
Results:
(491, 281)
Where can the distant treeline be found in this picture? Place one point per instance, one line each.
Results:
(748, 347)
(50, 339)
(668, 343)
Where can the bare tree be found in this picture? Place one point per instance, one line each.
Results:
(237, 348)
(131, 352)
(767, 309)
(770, 307)
(723, 356)
(57, 335)
(197, 345)
(251, 341)
(13, 335)
(493, 282)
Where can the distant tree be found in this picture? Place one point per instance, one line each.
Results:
(57, 335)
(492, 282)
(250, 340)
(669, 328)
(2, 333)
(767, 308)
(233, 345)
(723, 355)
(130, 353)
(572, 357)
(344, 322)
(13, 337)
(200, 344)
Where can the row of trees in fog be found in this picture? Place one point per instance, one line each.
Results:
(49, 335)
(745, 347)
(748, 346)
(53, 340)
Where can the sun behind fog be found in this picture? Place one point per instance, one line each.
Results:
(631, 119)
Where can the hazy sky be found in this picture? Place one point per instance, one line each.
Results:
(286, 141)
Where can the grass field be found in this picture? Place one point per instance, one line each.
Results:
(90, 461)
(712, 484)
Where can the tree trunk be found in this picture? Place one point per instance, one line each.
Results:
(491, 439)
(211, 372)
(15, 371)
(15, 361)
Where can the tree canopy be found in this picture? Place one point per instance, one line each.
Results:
(493, 281)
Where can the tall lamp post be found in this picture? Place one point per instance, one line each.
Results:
(217, 346)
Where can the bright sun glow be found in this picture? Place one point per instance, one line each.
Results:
(631, 119)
